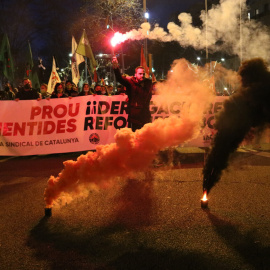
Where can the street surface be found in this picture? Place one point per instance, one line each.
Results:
(150, 221)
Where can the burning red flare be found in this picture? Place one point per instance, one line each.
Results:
(118, 38)
(204, 200)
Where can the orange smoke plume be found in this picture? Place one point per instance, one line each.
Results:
(135, 151)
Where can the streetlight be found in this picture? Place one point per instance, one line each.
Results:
(146, 15)
(70, 55)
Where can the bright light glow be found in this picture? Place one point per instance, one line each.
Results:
(70, 55)
(171, 70)
(118, 38)
(225, 88)
(153, 70)
(198, 58)
(100, 55)
(204, 198)
(222, 59)
(146, 15)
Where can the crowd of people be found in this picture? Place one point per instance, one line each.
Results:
(137, 88)
(64, 89)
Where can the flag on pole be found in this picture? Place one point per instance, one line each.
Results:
(84, 49)
(144, 64)
(35, 80)
(95, 76)
(29, 69)
(29, 62)
(75, 61)
(54, 78)
(6, 59)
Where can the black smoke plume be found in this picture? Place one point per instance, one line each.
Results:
(248, 108)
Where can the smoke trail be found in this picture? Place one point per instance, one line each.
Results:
(133, 152)
(223, 77)
(248, 108)
(220, 31)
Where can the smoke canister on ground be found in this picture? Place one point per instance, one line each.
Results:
(48, 212)
(204, 204)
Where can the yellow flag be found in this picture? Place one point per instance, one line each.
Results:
(84, 49)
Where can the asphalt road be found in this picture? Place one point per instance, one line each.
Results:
(150, 221)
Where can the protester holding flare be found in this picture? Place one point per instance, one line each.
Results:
(139, 92)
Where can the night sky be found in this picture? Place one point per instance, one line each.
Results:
(160, 10)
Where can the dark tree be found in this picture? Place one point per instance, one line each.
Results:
(46, 24)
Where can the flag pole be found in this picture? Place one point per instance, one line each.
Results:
(206, 26)
(145, 40)
(85, 69)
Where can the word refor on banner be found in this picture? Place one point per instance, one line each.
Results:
(103, 122)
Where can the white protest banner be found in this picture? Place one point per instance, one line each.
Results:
(77, 124)
(59, 125)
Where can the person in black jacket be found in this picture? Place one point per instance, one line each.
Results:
(139, 92)
(27, 92)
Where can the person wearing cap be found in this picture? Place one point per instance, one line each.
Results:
(139, 92)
